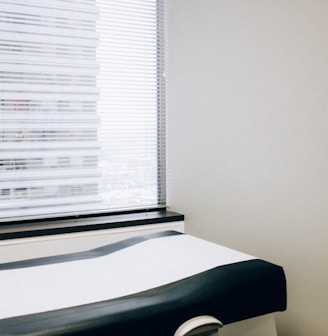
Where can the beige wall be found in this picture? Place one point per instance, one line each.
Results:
(248, 137)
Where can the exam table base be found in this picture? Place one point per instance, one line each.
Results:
(257, 326)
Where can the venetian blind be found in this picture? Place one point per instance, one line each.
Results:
(82, 107)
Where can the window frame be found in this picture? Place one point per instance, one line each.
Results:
(113, 219)
(97, 222)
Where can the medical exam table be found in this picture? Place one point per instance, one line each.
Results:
(143, 286)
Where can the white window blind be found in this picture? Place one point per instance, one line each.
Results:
(82, 107)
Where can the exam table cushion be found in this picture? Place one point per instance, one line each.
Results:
(147, 285)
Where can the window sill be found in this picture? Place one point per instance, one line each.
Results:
(14, 231)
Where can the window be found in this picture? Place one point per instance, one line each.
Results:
(82, 107)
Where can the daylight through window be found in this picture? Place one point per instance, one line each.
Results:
(82, 107)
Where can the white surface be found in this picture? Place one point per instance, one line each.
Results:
(45, 246)
(140, 267)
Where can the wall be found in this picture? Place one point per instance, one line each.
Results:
(248, 137)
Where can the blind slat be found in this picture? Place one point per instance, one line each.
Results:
(42, 8)
(51, 32)
(65, 69)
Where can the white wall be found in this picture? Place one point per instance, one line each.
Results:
(248, 137)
